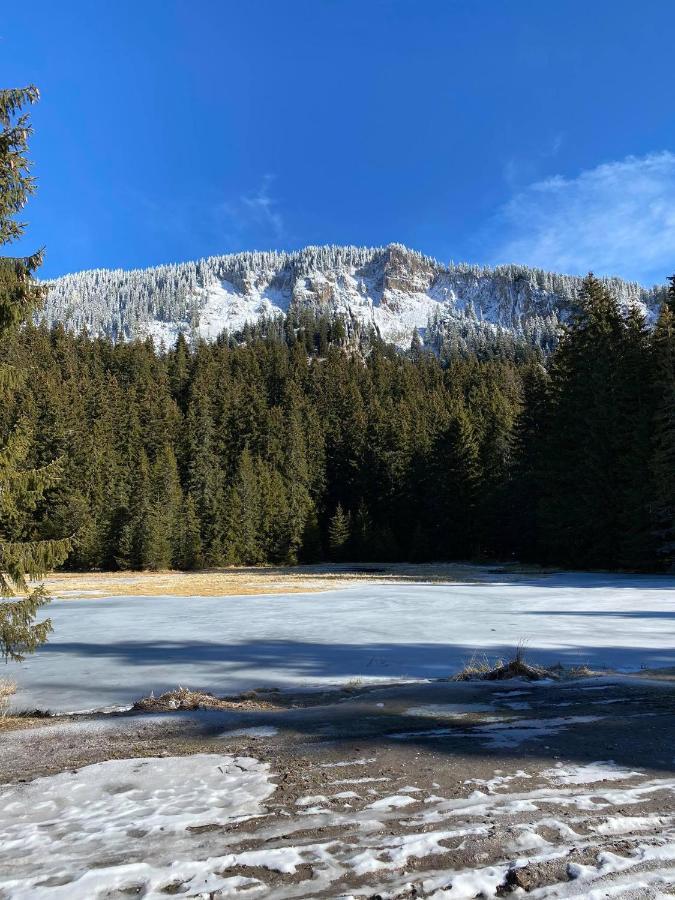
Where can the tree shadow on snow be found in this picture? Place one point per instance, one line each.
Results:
(632, 731)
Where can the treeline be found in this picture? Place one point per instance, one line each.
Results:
(287, 447)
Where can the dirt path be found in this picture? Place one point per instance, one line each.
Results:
(427, 790)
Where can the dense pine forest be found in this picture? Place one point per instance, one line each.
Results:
(284, 445)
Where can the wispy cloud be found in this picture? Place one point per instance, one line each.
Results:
(263, 209)
(252, 219)
(618, 218)
(519, 171)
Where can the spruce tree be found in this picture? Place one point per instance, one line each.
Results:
(136, 537)
(635, 417)
(165, 504)
(415, 345)
(188, 550)
(580, 505)
(296, 474)
(179, 366)
(663, 456)
(524, 488)
(204, 475)
(274, 509)
(670, 294)
(23, 556)
(339, 532)
(312, 549)
(362, 537)
(242, 534)
(457, 487)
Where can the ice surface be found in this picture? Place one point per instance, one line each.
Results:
(110, 651)
(255, 731)
(448, 710)
(507, 734)
(500, 733)
(512, 693)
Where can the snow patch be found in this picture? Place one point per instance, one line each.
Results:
(498, 781)
(364, 761)
(123, 825)
(396, 800)
(591, 773)
(629, 824)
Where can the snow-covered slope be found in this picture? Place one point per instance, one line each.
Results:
(393, 289)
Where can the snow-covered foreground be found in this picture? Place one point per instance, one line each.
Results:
(121, 822)
(154, 827)
(107, 652)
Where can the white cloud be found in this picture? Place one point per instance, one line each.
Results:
(616, 219)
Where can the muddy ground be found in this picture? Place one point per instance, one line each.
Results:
(420, 790)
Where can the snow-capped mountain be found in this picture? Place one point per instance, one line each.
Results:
(393, 289)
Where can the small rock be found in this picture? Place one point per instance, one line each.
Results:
(516, 878)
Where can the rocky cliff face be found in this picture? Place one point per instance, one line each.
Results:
(393, 289)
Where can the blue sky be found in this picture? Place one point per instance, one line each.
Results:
(532, 131)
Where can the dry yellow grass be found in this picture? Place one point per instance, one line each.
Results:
(7, 690)
(184, 698)
(245, 581)
(10, 721)
(20, 723)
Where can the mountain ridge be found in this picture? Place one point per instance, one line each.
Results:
(393, 289)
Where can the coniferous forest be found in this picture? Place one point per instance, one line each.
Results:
(288, 446)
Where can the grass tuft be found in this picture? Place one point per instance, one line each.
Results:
(184, 698)
(480, 668)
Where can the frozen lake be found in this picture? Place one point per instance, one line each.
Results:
(110, 651)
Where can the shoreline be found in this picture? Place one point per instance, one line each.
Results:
(245, 581)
